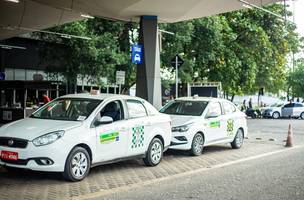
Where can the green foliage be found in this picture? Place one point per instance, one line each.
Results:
(108, 49)
(245, 50)
(295, 79)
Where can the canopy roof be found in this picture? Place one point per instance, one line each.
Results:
(29, 15)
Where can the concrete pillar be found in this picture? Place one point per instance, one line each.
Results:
(148, 81)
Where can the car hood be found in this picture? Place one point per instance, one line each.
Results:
(179, 120)
(31, 128)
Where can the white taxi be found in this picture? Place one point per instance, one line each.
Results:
(76, 132)
(199, 122)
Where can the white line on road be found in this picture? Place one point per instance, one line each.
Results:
(137, 185)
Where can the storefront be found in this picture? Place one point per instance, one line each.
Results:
(20, 98)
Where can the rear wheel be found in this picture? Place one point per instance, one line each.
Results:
(238, 140)
(276, 115)
(155, 153)
(77, 165)
(197, 145)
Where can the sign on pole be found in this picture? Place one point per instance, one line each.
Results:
(120, 77)
(176, 62)
(137, 54)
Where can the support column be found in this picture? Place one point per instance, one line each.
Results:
(148, 81)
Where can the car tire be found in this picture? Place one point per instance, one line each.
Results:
(238, 139)
(276, 115)
(77, 165)
(197, 145)
(302, 115)
(155, 153)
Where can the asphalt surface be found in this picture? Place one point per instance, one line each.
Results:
(252, 172)
(276, 177)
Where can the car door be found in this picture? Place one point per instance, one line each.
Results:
(297, 109)
(287, 110)
(230, 120)
(214, 123)
(112, 138)
(140, 126)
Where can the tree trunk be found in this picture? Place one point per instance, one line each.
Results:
(232, 98)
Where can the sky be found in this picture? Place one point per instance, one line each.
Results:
(298, 7)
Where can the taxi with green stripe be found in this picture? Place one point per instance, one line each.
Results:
(75, 132)
(201, 121)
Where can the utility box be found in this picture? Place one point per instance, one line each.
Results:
(205, 89)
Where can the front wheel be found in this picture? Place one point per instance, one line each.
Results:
(238, 140)
(197, 145)
(302, 115)
(77, 165)
(155, 153)
(276, 115)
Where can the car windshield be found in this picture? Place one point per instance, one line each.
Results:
(69, 109)
(194, 108)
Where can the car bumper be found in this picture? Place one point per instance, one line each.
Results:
(34, 158)
(181, 141)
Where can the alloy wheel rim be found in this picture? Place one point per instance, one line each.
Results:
(239, 138)
(198, 144)
(276, 115)
(156, 152)
(79, 165)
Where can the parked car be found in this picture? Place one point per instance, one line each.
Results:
(274, 111)
(198, 122)
(76, 132)
(295, 110)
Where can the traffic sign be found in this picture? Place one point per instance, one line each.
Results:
(2, 76)
(137, 54)
(120, 77)
(179, 60)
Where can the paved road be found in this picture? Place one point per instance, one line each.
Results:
(278, 176)
(116, 177)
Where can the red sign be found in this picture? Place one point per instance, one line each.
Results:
(8, 155)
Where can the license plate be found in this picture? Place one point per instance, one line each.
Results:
(8, 155)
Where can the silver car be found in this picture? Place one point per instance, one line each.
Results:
(293, 110)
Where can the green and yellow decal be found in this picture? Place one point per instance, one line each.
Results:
(230, 127)
(138, 136)
(215, 124)
(109, 137)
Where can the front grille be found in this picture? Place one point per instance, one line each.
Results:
(13, 142)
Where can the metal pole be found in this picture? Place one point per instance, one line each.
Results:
(119, 88)
(176, 77)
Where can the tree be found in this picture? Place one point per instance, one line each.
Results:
(295, 79)
(108, 49)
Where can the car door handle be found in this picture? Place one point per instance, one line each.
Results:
(124, 129)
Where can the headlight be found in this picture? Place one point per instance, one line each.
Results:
(48, 138)
(183, 128)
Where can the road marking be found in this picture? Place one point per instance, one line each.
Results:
(101, 193)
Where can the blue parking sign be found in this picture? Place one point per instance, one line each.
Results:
(137, 54)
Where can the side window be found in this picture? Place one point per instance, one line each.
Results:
(298, 105)
(136, 109)
(228, 108)
(150, 109)
(214, 110)
(113, 109)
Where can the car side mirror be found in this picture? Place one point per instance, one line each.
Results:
(103, 120)
(212, 115)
